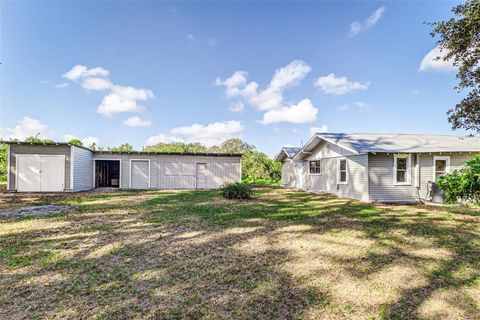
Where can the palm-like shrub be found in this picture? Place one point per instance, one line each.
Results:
(237, 190)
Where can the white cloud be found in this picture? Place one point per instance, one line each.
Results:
(162, 138)
(271, 100)
(213, 133)
(62, 86)
(358, 27)
(322, 128)
(26, 127)
(302, 112)
(78, 72)
(429, 62)
(237, 107)
(272, 97)
(119, 98)
(331, 84)
(123, 99)
(87, 141)
(137, 122)
(96, 84)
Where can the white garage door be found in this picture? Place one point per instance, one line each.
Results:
(202, 175)
(42, 173)
(140, 175)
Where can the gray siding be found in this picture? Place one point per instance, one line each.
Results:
(326, 181)
(357, 178)
(220, 170)
(457, 161)
(40, 150)
(381, 180)
(82, 169)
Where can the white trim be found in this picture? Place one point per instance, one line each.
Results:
(338, 171)
(8, 167)
(72, 165)
(130, 172)
(39, 155)
(447, 169)
(408, 171)
(119, 170)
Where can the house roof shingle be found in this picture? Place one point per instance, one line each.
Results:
(398, 142)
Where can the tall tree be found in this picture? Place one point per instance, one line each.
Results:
(235, 145)
(122, 148)
(460, 41)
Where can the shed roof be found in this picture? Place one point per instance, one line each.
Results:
(209, 154)
(396, 142)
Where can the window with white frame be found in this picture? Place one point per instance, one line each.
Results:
(342, 171)
(441, 166)
(315, 167)
(401, 172)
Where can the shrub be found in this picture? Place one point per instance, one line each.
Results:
(462, 184)
(237, 190)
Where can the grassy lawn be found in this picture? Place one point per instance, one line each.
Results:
(283, 255)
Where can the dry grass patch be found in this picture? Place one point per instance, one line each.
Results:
(283, 255)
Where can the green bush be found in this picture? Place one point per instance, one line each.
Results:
(237, 190)
(462, 184)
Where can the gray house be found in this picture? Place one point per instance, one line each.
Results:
(61, 167)
(375, 167)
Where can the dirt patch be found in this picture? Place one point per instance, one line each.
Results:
(34, 211)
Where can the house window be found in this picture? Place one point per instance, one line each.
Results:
(401, 169)
(441, 166)
(315, 167)
(342, 171)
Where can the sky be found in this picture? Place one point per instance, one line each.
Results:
(271, 73)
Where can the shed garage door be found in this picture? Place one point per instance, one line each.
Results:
(140, 174)
(40, 173)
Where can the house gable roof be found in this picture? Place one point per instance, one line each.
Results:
(287, 152)
(395, 142)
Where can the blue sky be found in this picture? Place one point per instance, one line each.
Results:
(268, 72)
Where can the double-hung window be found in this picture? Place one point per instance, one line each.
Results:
(441, 166)
(342, 177)
(315, 167)
(401, 169)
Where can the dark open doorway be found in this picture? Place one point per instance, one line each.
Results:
(107, 173)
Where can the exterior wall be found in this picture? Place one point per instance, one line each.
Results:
(382, 187)
(16, 149)
(357, 176)
(457, 161)
(179, 172)
(82, 168)
(288, 172)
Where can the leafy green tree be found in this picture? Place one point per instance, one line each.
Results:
(460, 41)
(177, 147)
(122, 148)
(235, 145)
(36, 139)
(76, 142)
(257, 166)
(3, 162)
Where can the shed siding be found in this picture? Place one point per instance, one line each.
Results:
(82, 169)
(220, 170)
(326, 181)
(40, 150)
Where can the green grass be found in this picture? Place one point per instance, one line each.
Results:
(281, 255)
